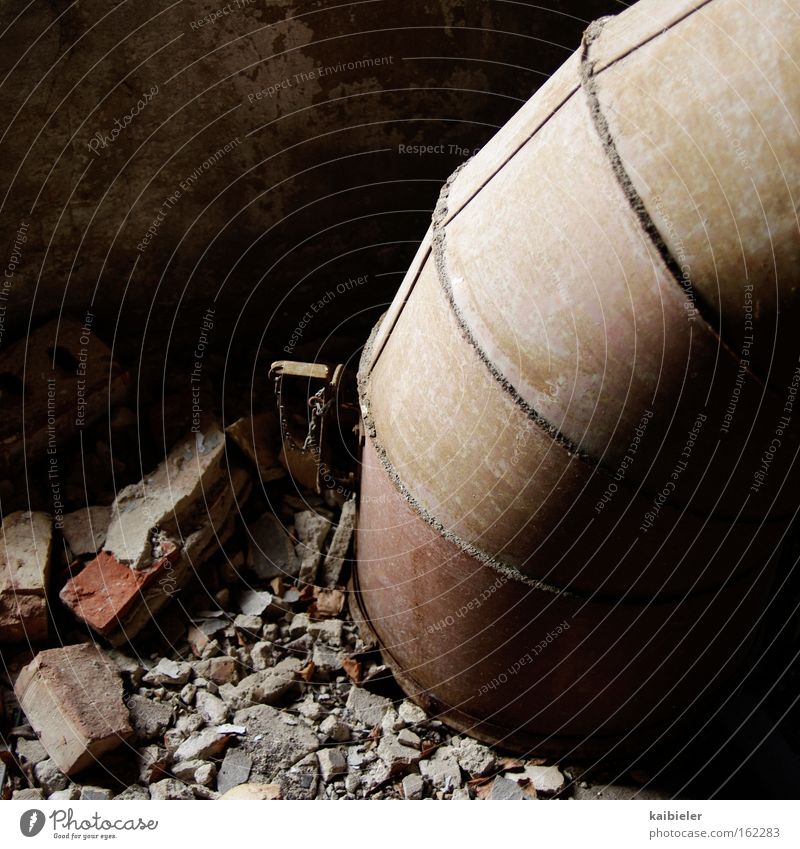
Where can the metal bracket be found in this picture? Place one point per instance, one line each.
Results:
(307, 395)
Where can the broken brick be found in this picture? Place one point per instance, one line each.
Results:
(73, 699)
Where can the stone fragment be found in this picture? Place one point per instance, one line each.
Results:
(413, 786)
(474, 758)
(261, 656)
(186, 770)
(220, 670)
(205, 744)
(149, 718)
(269, 551)
(265, 688)
(133, 793)
(170, 788)
(329, 631)
(301, 781)
(340, 543)
(395, 755)
(311, 530)
(548, 780)
(326, 660)
(169, 673)
(257, 437)
(261, 603)
(411, 714)
(152, 763)
(442, 769)
(409, 738)
(366, 708)
(253, 792)
(95, 794)
(213, 710)
(504, 789)
(248, 624)
(334, 729)
(49, 776)
(85, 530)
(73, 698)
(332, 763)
(272, 743)
(235, 770)
(67, 795)
(30, 752)
(330, 602)
(29, 794)
(25, 551)
(167, 498)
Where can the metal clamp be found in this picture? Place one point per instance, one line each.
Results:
(307, 395)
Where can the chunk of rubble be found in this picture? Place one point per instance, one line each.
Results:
(366, 708)
(332, 763)
(85, 530)
(73, 699)
(273, 744)
(504, 789)
(547, 780)
(257, 437)
(166, 499)
(117, 601)
(253, 792)
(442, 769)
(25, 549)
(149, 718)
(235, 770)
(263, 688)
(337, 550)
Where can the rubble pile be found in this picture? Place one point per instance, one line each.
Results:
(190, 637)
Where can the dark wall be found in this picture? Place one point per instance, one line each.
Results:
(313, 190)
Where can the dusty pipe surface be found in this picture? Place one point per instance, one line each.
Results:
(583, 390)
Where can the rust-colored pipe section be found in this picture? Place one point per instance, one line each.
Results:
(581, 409)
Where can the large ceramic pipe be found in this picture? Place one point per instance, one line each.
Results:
(581, 408)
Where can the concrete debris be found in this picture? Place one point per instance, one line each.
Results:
(474, 758)
(205, 744)
(167, 499)
(340, 543)
(149, 718)
(366, 708)
(312, 530)
(169, 673)
(95, 794)
(73, 698)
(273, 745)
(332, 763)
(170, 788)
(49, 777)
(548, 780)
(25, 552)
(413, 786)
(263, 688)
(85, 530)
(504, 789)
(334, 729)
(254, 792)
(442, 769)
(235, 770)
(211, 708)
